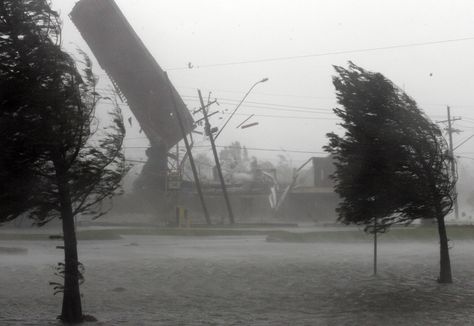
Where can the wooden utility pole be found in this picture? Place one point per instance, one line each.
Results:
(375, 246)
(453, 162)
(188, 150)
(208, 132)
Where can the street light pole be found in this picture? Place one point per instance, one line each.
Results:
(237, 107)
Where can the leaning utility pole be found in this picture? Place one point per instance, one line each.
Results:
(375, 246)
(188, 150)
(453, 163)
(208, 132)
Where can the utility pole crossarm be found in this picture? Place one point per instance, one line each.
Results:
(452, 120)
(204, 107)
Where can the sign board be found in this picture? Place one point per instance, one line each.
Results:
(173, 181)
(132, 68)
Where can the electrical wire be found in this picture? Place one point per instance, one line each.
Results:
(287, 95)
(323, 54)
(261, 93)
(233, 101)
(466, 157)
(263, 149)
(463, 142)
(288, 117)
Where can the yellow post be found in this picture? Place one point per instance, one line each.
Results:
(182, 217)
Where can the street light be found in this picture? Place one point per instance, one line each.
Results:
(237, 107)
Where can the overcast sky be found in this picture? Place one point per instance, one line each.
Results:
(293, 108)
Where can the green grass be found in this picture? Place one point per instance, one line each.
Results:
(81, 235)
(13, 251)
(425, 233)
(195, 232)
(116, 233)
(23, 236)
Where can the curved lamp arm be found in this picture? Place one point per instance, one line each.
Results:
(237, 107)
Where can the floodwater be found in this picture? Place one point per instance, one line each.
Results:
(242, 280)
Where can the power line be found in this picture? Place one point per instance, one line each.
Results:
(295, 117)
(326, 111)
(284, 95)
(463, 142)
(234, 101)
(274, 106)
(263, 93)
(466, 157)
(288, 117)
(285, 116)
(468, 119)
(136, 161)
(464, 126)
(282, 107)
(424, 104)
(248, 148)
(266, 149)
(296, 57)
(111, 91)
(135, 138)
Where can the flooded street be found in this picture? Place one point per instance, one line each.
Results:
(235, 152)
(242, 280)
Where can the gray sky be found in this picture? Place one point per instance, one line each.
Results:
(297, 99)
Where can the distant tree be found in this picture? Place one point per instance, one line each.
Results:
(392, 164)
(204, 166)
(245, 154)
(284, 170)
(231, 156)
(470, 199)
(60, 160)
(255, 164)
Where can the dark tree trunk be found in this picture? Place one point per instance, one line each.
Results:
(72, 308)
(445, 264)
